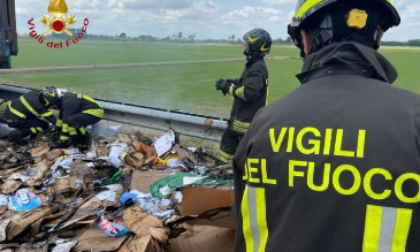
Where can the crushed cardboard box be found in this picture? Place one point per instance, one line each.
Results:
(53, 199)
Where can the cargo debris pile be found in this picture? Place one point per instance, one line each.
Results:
(128, 193)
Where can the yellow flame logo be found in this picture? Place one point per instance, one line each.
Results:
(58, 8)
(58, 24)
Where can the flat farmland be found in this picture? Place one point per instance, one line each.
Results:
(186, 87)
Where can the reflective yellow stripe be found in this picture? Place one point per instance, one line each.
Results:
(241, 127)
(240, 93)
(254, 219)
(33, 131)
(29, 107)
(266, 100)
(88, 98)
(402, 228)
(246, 222)
(59, 123)
(306, 6)
(309, 4)
(372, 228)
(82, 130)
(72, 131)
(65, 128)
(39, 129)
(232, 87)
(49, 113)
(225, 157)
(95, 112)
(386, 229)
(262, 218)
(64, 138)
(14, 111)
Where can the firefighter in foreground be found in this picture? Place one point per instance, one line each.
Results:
(335, 165)
(77, 111)
(30, 114)
(250, 92)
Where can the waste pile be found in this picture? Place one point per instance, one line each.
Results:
(125, 193)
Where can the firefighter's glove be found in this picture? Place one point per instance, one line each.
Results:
(56, 131)
(223, 85)
(62, 141)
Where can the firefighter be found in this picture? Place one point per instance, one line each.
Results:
(250, 92)
(334, 165)
(30, 114)
(77, 111)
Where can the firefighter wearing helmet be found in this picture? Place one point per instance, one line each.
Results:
(30, 114)
(334, 165)
(249, 92)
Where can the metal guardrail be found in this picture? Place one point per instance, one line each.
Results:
(152, 118)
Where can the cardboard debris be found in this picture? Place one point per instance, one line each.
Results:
(207, 124)
(197, 201)
(66, 183)
(94, 240)
(124, 138)
(61, 194)
(208, 239)
(40, 150)
(24, 223)
(142, 180)
(139, 222)
(41, 168)
(10, 187)
(54, 154)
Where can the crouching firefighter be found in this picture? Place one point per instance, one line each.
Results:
(30, 114)
(77, 111)
(250, 92)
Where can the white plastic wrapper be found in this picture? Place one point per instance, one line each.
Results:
(114, 158)
(18, 176)
(60, 162)
(178, 197)
(65, 247)
(4, 200)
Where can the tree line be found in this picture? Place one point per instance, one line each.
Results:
(191, 38)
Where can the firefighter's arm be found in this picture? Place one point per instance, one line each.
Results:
(234, 81)
(52, 119)
(252, 85)
(47, 114)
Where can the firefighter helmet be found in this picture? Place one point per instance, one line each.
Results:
(50, 95)
(259, 43)
(337, 19)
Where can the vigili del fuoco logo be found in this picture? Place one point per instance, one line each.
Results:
(58, 23)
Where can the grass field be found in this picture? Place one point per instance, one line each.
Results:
(186, 87)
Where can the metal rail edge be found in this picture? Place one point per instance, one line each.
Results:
(191, 125)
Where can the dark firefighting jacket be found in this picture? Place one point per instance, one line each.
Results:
(250, 94)
(333, 166)
(27, 106)
(76, 103)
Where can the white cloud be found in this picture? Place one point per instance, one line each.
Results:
(280, 2)
(410, 22)
(205, 18)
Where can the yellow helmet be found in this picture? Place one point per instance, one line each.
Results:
(337, 19)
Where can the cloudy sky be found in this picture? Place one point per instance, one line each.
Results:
(206, 18)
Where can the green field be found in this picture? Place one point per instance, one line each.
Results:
(185, 87)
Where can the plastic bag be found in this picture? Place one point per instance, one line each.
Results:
(113, 229)
(114, 157)
(24, 201)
